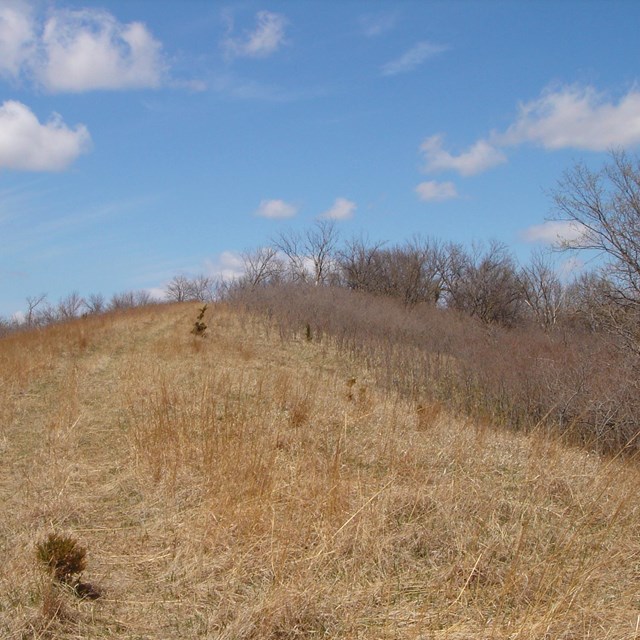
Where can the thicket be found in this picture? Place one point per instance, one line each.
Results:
(567, 381)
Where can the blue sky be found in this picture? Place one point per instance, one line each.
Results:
(140, 139)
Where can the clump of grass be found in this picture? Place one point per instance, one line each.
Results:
(200, 326)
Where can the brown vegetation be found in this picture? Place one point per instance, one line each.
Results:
(261, 485)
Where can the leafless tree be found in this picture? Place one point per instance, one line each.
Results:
(70, 306)
(130, 299)
(204, 288)
(604, 208)
(33, 303)
(542, 290)
(262, 267)
(291, 245)
(411, 272)
(179, 289)
(320, 245)
(310, 256)
(483, 284)
(360, 265)
(95, 303)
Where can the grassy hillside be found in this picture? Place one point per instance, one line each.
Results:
(248, 486)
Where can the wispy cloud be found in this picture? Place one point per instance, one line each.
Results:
(342, 209)
(478, 158)
(413, 58)
(276, 209)
(433, 191)
(17, 37)
(554, 232)
(78, 50)
(576, 117)
(373, 25)
(234, 86)
(265, 39)
(28, 145)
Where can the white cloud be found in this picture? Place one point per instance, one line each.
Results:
(267, 37)
(229, 265)
(576, 117)
(28, 145)
(90, 49)
(554, 232)
(77, 51)
(342, 209)
(17, 37)
(276, 209)
(478, 158)
(436, 191)
(569, 117)
(413, 58)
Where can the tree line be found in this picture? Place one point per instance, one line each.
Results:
(484, 282)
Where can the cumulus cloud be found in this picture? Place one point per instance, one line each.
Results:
(433, 191)
(78, 50)
(413, 58)
(267, 37)
(568, 117)
(576, 117)
(90, 49)
(554, 232)
(342, 209)
(28, 145)
(276, 209)
(478, 158)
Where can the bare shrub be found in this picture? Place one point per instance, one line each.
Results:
(523, 377)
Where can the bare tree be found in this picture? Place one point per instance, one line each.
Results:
(262, 267)
(542, 291)
(483, 284)
(179, 289)
(291, 245)
(70, 306)
(204, 288)
(33, 302)
(320, 245)
(360, 265)
(310, 256)
(95, 303)
(604, 209)
(411, 272)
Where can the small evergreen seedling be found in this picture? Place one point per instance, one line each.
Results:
(199, 326)
(64, 558)
(308, 334)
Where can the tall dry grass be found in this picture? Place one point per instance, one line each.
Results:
(245, 486)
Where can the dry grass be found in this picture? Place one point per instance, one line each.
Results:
(245, 487)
